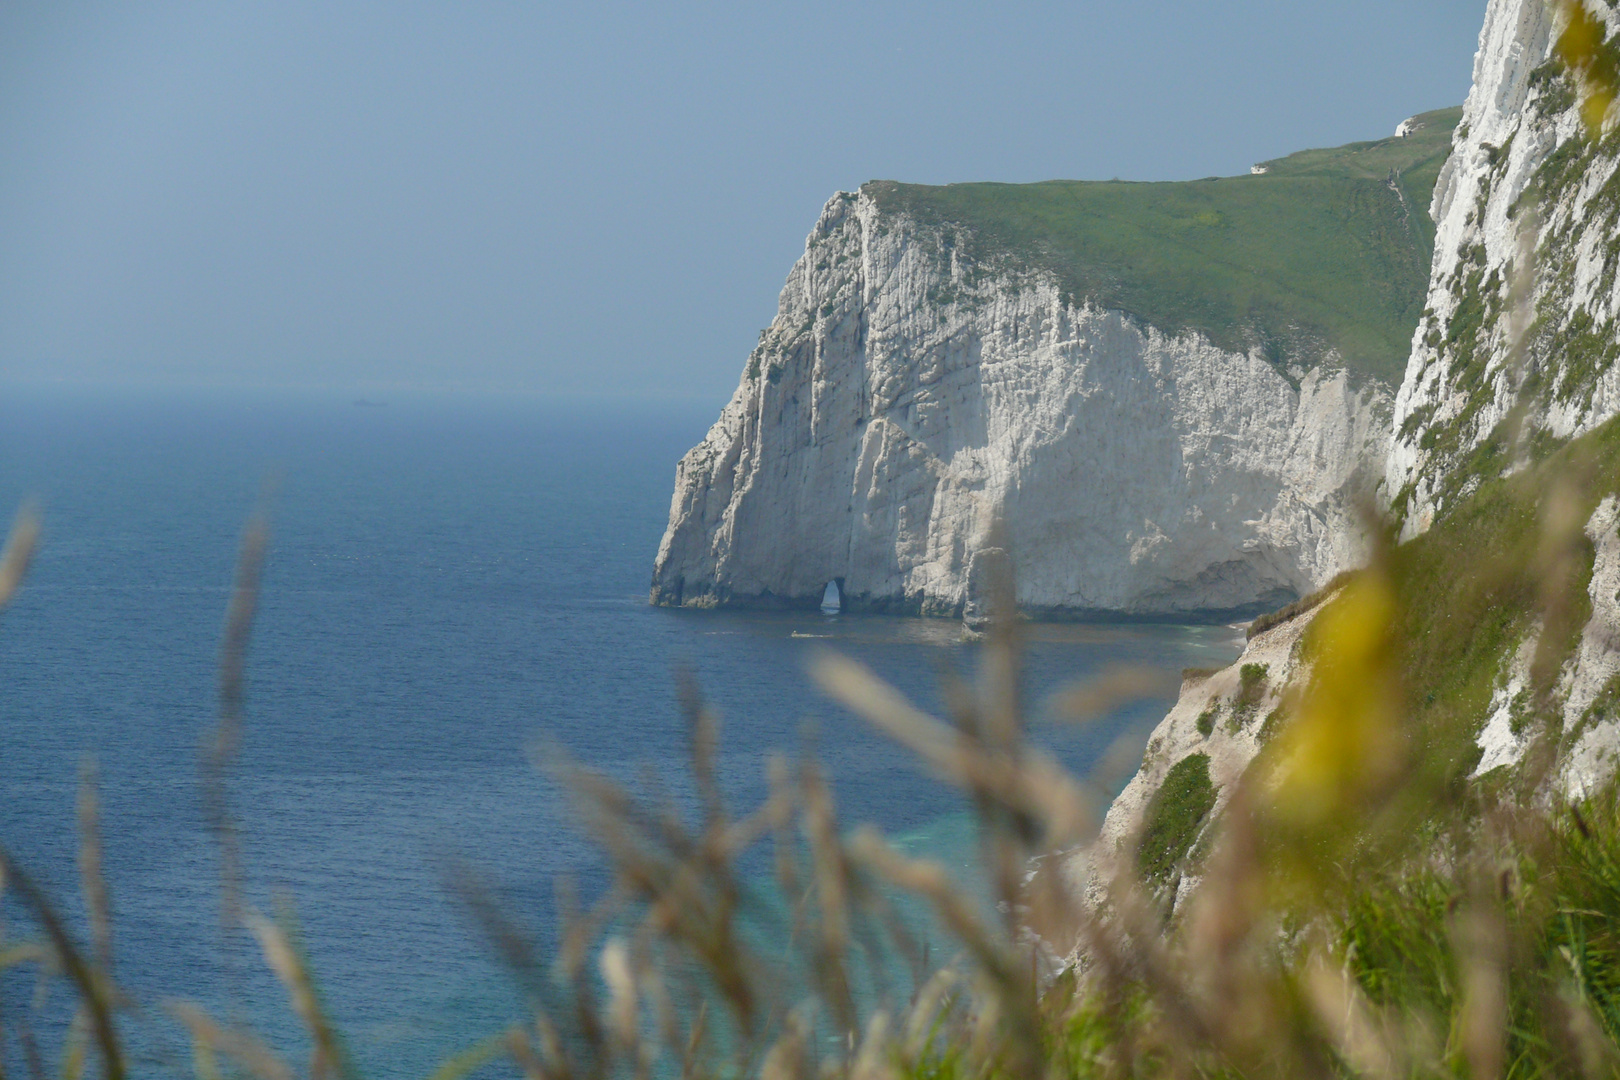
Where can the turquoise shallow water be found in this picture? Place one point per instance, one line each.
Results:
(454, 589)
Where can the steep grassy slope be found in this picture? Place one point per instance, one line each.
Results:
(1327, 248)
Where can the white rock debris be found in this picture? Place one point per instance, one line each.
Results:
(1595, 672)
(1503, 741)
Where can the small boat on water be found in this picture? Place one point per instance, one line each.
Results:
(831, 602)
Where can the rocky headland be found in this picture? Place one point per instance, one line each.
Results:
(1157, 399)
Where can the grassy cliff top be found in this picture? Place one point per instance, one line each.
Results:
(1325, 249)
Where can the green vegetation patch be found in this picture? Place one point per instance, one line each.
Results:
(1251, 690)
(1326, 249)
(1174, 817)
(1567, 349)
(1399, 936)
(1575, 348)
(1395, 933)
(1473, 585)
(1273, 723)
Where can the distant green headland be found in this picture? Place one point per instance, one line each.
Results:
(1321, 248)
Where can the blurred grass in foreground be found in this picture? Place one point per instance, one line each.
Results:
(1367, 907)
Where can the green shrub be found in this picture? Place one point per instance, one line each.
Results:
(1174, 817)
(1251, 690)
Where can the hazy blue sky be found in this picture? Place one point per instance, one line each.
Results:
(601, 196)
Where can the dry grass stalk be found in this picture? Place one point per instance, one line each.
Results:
(1360, 1034)
(92, 881)
(19, 553)
(285, 959)
(227, 739)
(210, 1040)
(94, 989)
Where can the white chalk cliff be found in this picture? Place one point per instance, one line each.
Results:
(905, 401)
(1517, 350)
(1523, 178)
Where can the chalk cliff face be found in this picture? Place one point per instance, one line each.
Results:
(907, 399)
(1517, 351)
(1506, 331)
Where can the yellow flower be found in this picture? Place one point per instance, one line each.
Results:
(1346, 742)
(1582, 49)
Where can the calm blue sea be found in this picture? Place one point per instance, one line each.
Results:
(456, 588)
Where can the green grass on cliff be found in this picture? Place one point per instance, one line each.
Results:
(1328, 248)
(1174, 817)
